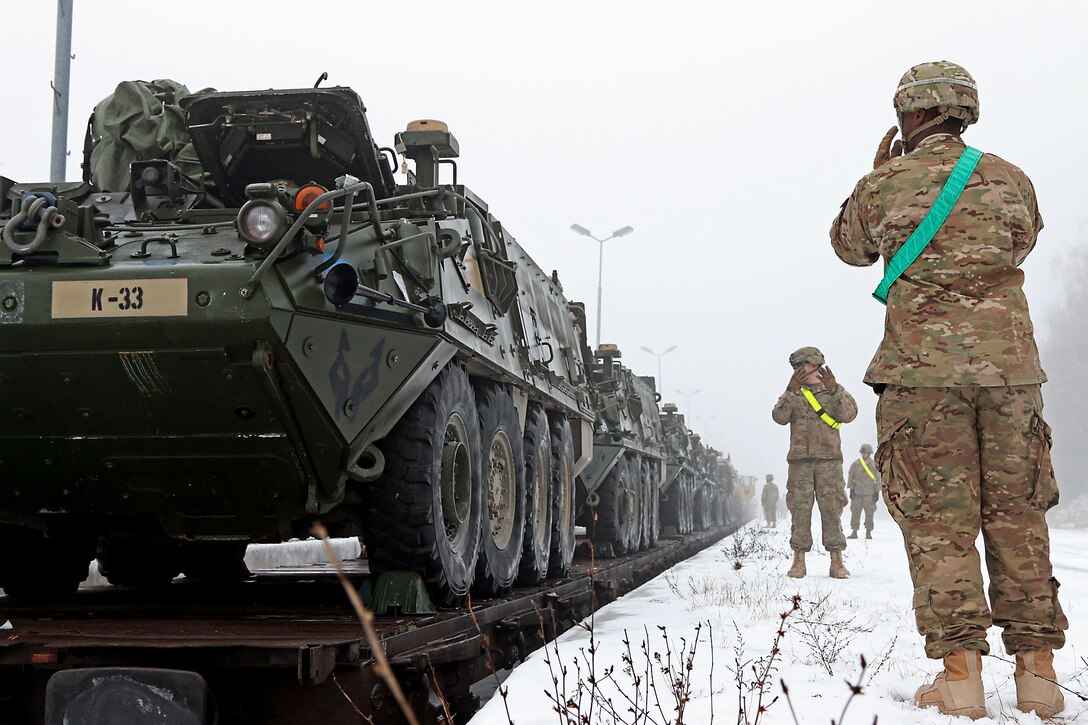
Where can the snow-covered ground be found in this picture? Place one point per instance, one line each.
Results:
(739, 612)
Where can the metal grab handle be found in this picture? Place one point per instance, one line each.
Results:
(372, 205)
(48, 218)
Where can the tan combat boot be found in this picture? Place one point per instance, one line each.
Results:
(797, 571)
(838, 569)
(853, 534)
(868, 533)
(958, 690)
(1036, 694)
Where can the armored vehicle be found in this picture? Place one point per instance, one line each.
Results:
(677, 497)
(195, 360)
(619, 486)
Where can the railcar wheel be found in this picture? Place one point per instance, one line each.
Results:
(503, 527)
(539, 482)
(614, 516)
(563, 505)
(33, 566)
(138, 563)
(424, 513)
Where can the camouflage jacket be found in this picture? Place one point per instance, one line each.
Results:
(859, 482)
(958, 315)
(770, 494)
(810, 437)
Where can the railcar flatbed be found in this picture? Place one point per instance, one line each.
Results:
(285, 646)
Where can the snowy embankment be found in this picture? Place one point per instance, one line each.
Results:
(730, 615)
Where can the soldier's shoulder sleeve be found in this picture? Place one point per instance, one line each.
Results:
(782, 409)
(851, 236)
(845, 405)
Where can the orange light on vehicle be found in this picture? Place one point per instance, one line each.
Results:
(43, 658)
(306, 195)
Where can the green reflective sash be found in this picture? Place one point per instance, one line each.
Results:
(932, 222)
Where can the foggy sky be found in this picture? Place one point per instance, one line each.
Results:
(727, 134)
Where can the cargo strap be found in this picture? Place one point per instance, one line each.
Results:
(866, 467)
(932, 222)
(819, 411)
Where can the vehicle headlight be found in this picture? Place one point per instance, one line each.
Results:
(262, 222)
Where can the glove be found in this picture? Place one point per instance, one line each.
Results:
(885, 152)
(828, 379)
(876, 496)
(795, 381)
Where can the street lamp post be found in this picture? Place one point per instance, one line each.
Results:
(689, 396)
(600, 264)
(660, 384)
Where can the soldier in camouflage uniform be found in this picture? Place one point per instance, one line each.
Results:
(863, 482)
(814, 406)
(963, 446)
(769, 499)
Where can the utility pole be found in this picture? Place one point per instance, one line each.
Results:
(62, 71)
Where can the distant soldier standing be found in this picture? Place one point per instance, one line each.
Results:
(814, 406)
(770, 502)
(962, 441)
(863, 481)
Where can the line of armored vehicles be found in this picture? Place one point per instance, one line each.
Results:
(238, 324)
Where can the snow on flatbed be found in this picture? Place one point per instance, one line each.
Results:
(838, 621)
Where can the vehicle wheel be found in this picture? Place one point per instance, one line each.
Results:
(563, 505)
(503, 524)
(423, 514)
(218, 561)
(653, 504)
(138, 563)
(688, 504)
(701, 509)
(539, 481)
(33, 566)
(637, 505)
(614, 515)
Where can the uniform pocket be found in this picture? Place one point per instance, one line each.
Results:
(1044, 489)
(925, 617)
(900, 469)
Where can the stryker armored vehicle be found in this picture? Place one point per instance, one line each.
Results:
(619, 485)
(677, 497)
(195, 360)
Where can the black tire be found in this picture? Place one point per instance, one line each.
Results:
(502, 527)
(638, 506)
(33, 566)
(539, 497)
(669, 506)
(614, 515)
(563, 503)
(701, 510)
(653, 503)
(434, 448)
(217, 561)
(138, 563)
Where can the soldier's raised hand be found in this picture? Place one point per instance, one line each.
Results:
(887, 151)
(795, 380)
(828, 379)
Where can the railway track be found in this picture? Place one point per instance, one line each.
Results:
(285, 647)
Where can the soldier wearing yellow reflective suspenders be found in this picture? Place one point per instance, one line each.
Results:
(863, 481)
(815, 406)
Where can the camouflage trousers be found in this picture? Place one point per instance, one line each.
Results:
(770, 514)
(862, 502)
(820, 482)
(957, 461)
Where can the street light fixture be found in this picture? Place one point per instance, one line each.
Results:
(660, 384)
(622, 232)
(689, 396)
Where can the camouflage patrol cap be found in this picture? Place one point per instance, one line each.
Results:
(807, 354)
(942, 85)
(866, 448)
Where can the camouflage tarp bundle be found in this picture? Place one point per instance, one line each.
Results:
(140, 120)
